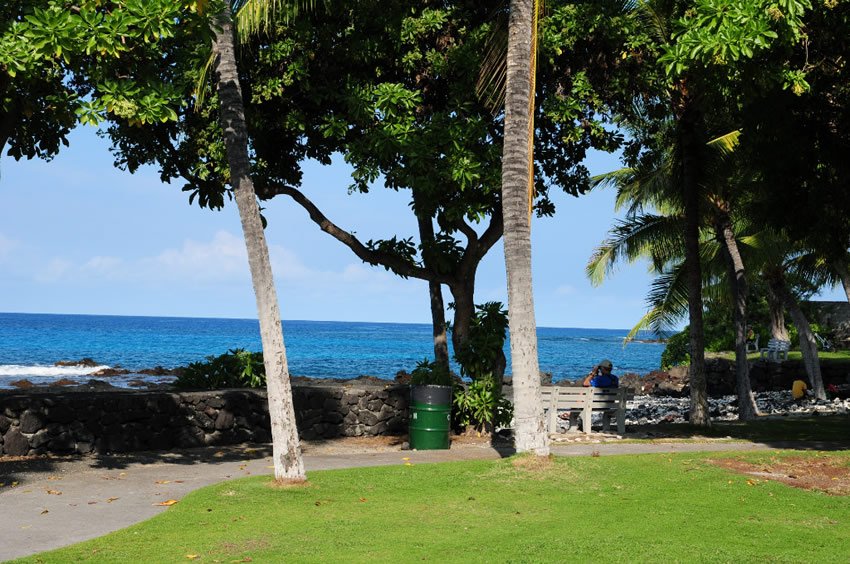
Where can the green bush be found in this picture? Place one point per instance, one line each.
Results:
(480, 406)
(237, 368)
(483, 353)
(429, 373)
(676, 352)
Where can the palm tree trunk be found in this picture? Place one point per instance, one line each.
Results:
(808, 344)
(529, 428)
(690, 147)
(747, 408)
(844, 274)
(776, 310)
(286, 451)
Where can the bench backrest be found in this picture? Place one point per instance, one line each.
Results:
(778, 345)
(573, 397)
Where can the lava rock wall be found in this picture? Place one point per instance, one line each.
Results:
(118, 421)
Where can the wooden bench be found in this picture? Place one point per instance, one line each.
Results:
(776, 349)
(582, 402)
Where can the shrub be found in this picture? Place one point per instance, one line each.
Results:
(430, 373)
(237, 368)
(676, 351)
(481, 406)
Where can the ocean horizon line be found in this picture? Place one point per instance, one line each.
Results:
(250, 319)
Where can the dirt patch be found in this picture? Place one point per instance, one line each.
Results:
(829, 474)
(354, 445)
(532, 463)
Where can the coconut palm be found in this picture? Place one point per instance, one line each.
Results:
(659, 237)
(286, 450)
(517, 182)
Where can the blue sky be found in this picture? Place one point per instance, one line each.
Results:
(79, 236)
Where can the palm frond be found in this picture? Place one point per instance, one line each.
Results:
(655, 237)
(726, 144)
(254, 17)
(667, 300)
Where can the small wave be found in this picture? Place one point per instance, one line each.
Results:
(48, 371)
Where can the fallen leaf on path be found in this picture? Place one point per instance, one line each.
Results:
(178, 481)
(45, 511)
(406, 458)
(122, 473)
(53, 492)
(92, 503)
(219, 454)
(192, 556)
(111, 499)
(162, 482)
(363, 500)
(167, 503)
(52, 478)
(14, 484)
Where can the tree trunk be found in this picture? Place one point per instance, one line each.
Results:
(747, 408)
(690, 147)
(529, 428)
(435, 291)
(776, 309)
(808, 344)
(438, 323)
(286, 451)
(464, 308)
(844, 274)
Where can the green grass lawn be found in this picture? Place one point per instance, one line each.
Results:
(649, 508)
(842, 357)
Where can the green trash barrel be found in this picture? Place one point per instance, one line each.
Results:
(430, 417)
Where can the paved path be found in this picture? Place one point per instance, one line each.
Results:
(48, 504)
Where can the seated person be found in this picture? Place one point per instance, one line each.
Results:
(600, 376)
(799, 389)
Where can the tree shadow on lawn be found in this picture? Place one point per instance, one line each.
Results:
(825, 432)
(24, 469)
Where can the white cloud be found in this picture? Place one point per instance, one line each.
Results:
(565, 290)
(55, 270)
(6, 246)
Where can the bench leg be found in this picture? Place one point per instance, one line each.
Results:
(621, 421)
(585, 416)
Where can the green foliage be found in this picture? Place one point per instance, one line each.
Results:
(483, 352)
(481, 406)
(676, 351)
(237, 368)
(429, 373)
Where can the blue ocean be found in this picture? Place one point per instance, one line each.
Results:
(31, 344)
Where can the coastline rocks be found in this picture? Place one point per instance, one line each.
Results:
(645, 409)
(84, 362)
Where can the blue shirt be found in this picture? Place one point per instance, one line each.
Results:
(602, 380)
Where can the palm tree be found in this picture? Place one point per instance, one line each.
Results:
(517, 182)
(286, 450)
(658, 236)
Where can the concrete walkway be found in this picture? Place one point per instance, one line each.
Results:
(50, 503)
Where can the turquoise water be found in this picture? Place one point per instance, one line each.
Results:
(31, 343)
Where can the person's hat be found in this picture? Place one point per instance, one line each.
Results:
(606, 364)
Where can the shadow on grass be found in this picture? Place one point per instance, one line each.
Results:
(826, 432)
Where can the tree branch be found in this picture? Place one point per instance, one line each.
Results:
(367, 255)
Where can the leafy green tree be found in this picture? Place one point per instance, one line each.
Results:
(61, 66)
